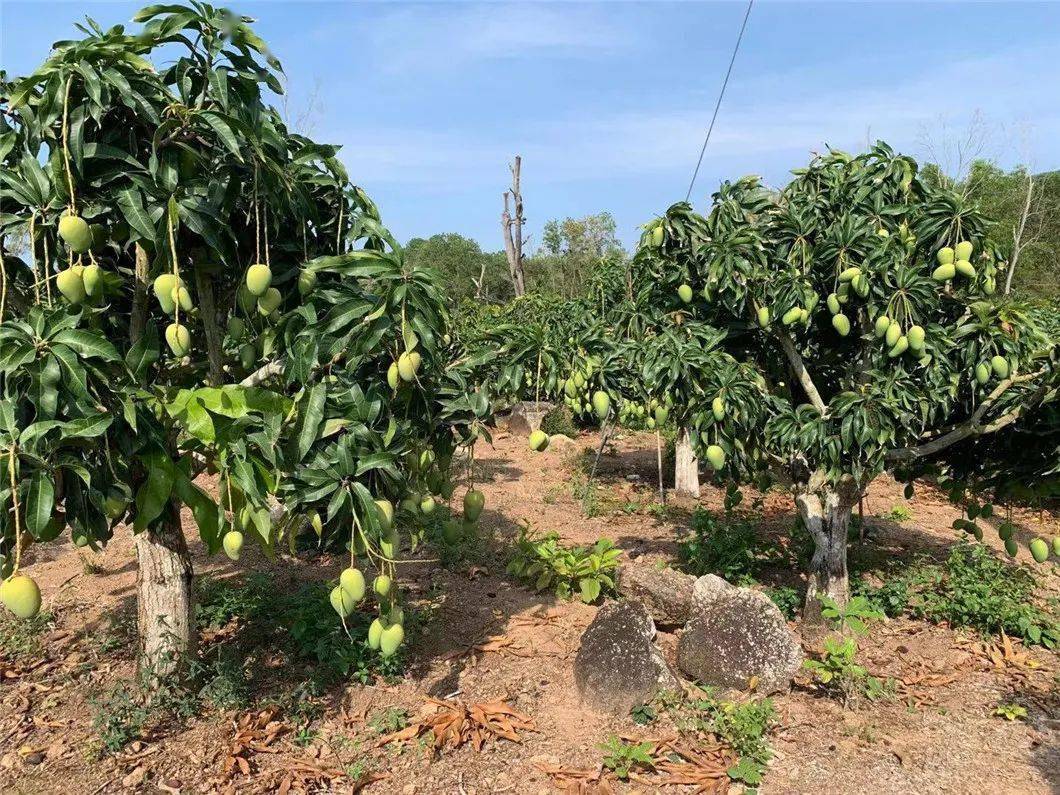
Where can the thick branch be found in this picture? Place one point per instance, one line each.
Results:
(138, 317)
(802, 373)
(263, 373)
(208, 312)
(971, 427)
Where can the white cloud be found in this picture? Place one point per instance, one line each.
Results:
(450, 36)
(760, 127)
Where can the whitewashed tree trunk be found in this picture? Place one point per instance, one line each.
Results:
(826, 515)
(164, 600)
(686, 466)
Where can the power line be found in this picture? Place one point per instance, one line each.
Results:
(721, 95)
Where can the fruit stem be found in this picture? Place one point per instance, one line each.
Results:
(33, 258)
(14, 497)
(66, 148)
(47, 269)
(176, 269)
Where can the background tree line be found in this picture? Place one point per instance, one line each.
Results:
(1023, 209)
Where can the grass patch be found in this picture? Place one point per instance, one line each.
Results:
(20, 639)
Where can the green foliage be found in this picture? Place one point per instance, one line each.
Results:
(850, 616)
(743, 725)
(899, 514)
(623, 758)
(389, 720)
(124, 714)
(729, 548)
(643, 714)
(559, 421)
(300, 624)
(462, 264)
(971, 588)
(838, 672)
(20, 639)
(787, 599)
(587, 573)
(1011, 712)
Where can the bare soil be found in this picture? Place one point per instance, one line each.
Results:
(487, 638)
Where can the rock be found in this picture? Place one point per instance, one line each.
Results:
(665, 592)
(525, 417)
(558, 441)
(736, 634)
(618, 665)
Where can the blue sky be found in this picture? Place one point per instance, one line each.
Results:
(608, 102)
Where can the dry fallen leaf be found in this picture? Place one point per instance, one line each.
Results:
(454, 723)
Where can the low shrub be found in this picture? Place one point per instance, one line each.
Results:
(548, 565)
(972, 588)
(728, 548)
(559, 421)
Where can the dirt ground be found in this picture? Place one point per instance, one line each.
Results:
(486, 638)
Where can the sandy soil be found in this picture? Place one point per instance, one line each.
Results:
(489, 638)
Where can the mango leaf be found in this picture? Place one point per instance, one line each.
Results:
(152, 496)
(40, 502)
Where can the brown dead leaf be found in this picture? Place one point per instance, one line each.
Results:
(572, 781)
(454, 723)
(254, 733)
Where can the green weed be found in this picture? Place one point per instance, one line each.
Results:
(548, 565)
(623, 758)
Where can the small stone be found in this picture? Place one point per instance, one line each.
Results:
(526, 416)
(618, 665)
(736, 635)
(666, 593)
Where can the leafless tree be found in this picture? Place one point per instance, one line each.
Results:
(512, 228)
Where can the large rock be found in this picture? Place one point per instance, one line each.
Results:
(735, 635)
(665, 592)
(525, 417)
(618, 665)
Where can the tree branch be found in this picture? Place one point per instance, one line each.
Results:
(263, 373)
(971, 427)
(801, 372)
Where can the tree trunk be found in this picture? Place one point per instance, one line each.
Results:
(686, 466)
(826, 515)
(513, 244)
(164, 600)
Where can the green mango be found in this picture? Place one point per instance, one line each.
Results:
(833, 303)
(841, 323)
(882, 324)
(716, 456)
(900, 347)
(916, 337)
(538, 441)
(1000, 366)
(232, 542)
(1039, 550)
(21, 595)
(351, 580)
(259, 277)
(894, 331)
(945, 256)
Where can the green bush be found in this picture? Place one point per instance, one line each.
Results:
(559, 421)
(548, 565)
(729, 548)
(971, 588)
(787, 599)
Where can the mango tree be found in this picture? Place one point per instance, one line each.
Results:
(866, 302)
(199, 289)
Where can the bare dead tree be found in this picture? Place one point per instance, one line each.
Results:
(1029, 227)
(513, 243)
(954, 152)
